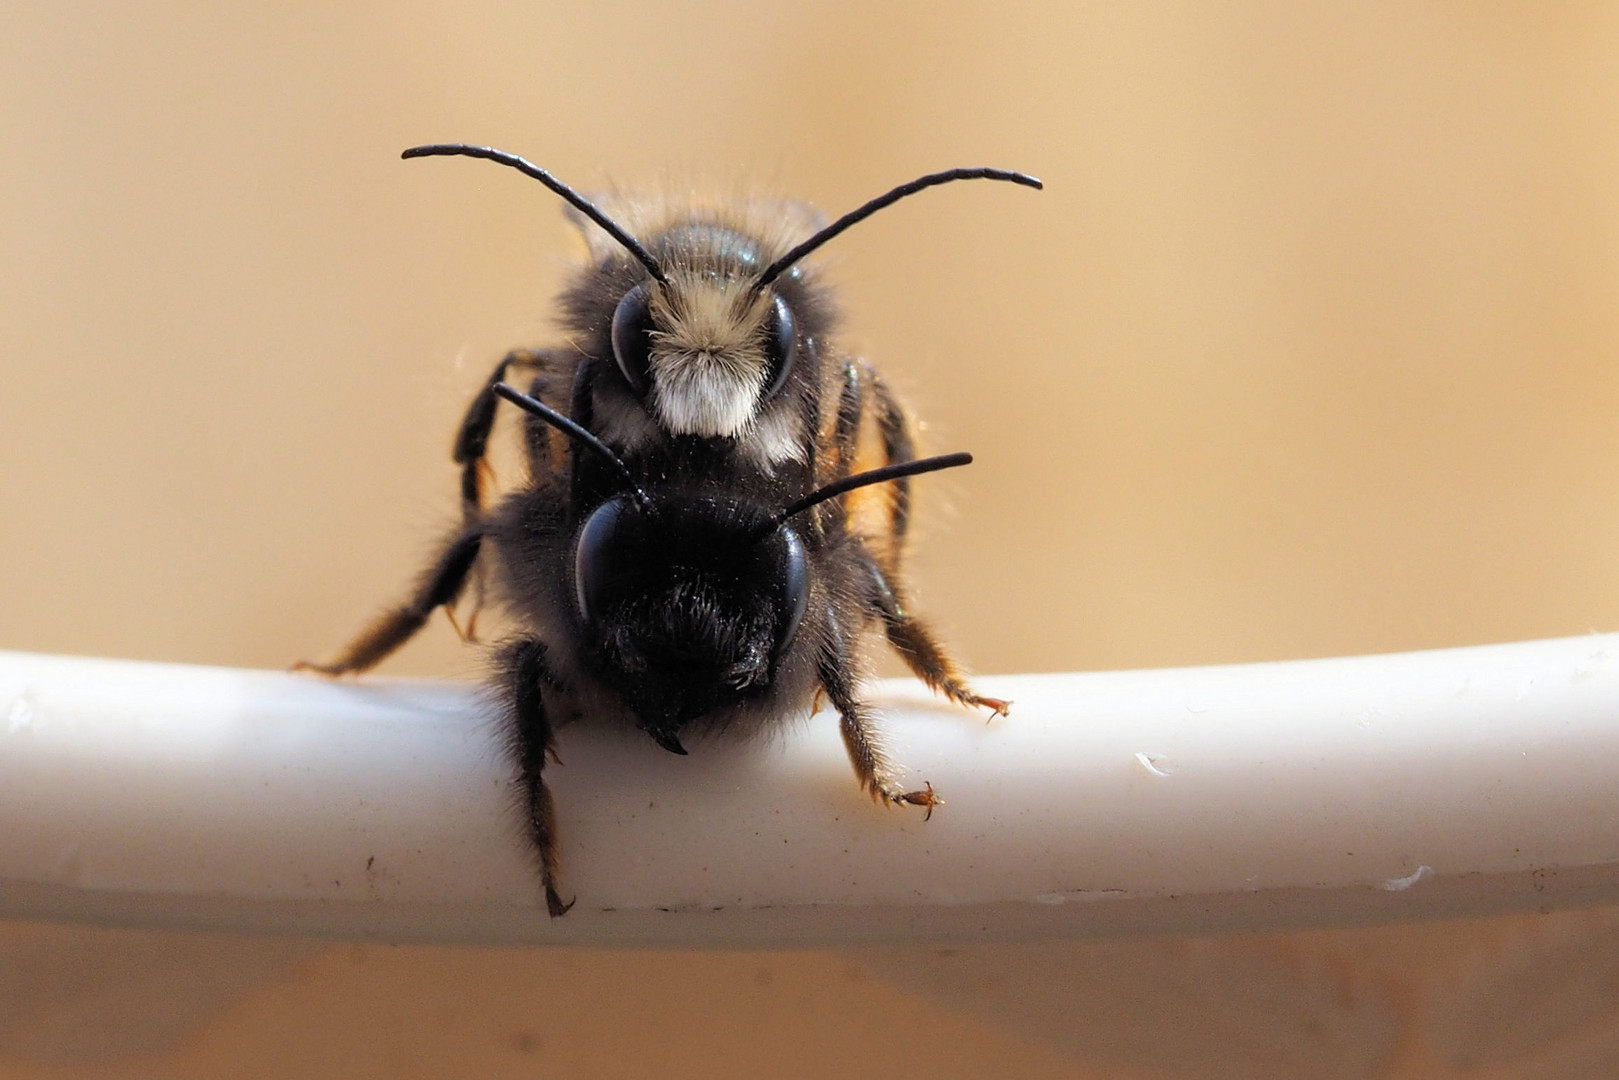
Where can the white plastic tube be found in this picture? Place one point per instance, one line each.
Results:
(1321, 792)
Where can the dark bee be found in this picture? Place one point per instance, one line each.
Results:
(682, 558)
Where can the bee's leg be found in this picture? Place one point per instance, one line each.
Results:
(860, 737)
(894, 427)
(920, 649)
(845, 441)
(473, 439)
(527, 679)
(846, 427)
(536, 440)
(471, 445)
(440, 585)
(537, 434)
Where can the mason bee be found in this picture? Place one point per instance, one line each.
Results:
(682, 558)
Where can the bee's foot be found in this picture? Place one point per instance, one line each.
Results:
(920, 798)
(554, 904)
(996, 706)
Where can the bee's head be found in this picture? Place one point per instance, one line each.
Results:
(688, 601)
(690, 597)
(705, 337)
(703, 348)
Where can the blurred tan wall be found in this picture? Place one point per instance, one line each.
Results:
(1309, 347)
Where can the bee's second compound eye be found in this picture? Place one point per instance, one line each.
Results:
(781, 342)
(597, 566)
(792, 588)
(632, 338)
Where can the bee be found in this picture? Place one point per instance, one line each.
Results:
(682, 559)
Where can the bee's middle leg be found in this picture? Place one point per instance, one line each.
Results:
(920, 648)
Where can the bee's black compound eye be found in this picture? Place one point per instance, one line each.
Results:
(597, 569)
(793, 589)
(632, 337)
(781, 343)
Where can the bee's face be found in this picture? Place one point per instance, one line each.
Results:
(689, 601)
(704, 350)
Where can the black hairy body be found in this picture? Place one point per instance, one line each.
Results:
(684, 558)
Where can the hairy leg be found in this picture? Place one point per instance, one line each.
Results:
(920, 649)
(894, 427)
(862, 394)
(872, 766)
(471, 448)
(527, 680)
(846, 425)
(472, 440)
(439, 586)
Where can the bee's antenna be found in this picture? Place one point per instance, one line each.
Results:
(854, 217)
(528, 168)
(859, 480)
(536, 407)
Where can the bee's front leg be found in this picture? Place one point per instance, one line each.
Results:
(861, 738)
(527, 680)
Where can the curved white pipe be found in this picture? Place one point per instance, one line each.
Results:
(1461, 781)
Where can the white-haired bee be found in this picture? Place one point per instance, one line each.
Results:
(683, 561)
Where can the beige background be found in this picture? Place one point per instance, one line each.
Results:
(1308, 348)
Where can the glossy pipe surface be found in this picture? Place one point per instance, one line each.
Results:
(1316, 792)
